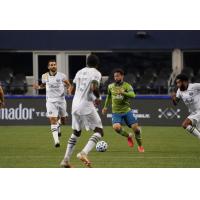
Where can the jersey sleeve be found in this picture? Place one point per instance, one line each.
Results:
(75, 78)
(196, 86)
(64, 77)
(44, 78)
(178, 94)
(129, 88)
(96, 77)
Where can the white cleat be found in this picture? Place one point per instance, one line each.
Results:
(83, 157)
(65, 164)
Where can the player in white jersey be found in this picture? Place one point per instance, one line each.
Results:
(84, 113)
(2, 102)
(190, 94)
(55, 83)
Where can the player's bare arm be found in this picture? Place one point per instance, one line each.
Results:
(2, 102)
(107, 102)
(95, 89)
(175, 100)
(68, 85)
(39, 87)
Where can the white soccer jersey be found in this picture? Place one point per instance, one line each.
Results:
(55, 87)
(191, 97)
(83, 101)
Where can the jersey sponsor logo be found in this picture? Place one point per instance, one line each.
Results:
(191, 93)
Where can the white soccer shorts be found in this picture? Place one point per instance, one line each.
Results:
(89, 122)
(56, 109)
(195, 118)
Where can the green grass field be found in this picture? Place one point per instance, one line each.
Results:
(32, 146)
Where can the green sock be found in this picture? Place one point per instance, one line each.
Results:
(123, 133)
(138, 138)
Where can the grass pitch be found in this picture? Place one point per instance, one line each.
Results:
(32, 146)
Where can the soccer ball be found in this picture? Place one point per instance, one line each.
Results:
(101, 146)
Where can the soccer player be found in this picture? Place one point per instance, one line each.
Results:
(55, 83)
(118, 95)
(190, 94)
(2, 102)
(84, 114)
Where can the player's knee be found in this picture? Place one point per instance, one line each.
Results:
(117, 128)
(53, 120)
(77, 133)
(185, 125)
(63, 120)
(99, 130)
(137, 131)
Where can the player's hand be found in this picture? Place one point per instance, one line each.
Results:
(36, 86)
(97, 102)
(173, 95)
(104, 111)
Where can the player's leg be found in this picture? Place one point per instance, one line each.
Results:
(190, 125)
(93, 122)
(132, 122)
(76, 126)
(52, 113)
(137, 130)
(62, 116)
(117, 121)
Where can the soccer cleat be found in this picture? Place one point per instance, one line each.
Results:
(130, 140)
(83, 157)
(65, 164)
(57, 145)
(59, 134)
(141, 149)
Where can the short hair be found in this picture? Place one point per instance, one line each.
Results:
(51, 60)
(182, 77)
(92, 60)
(119, 70)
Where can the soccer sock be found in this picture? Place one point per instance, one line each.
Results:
(70, 146)
(59, 126)
(138, 137)
(92, 142)
(194, 131)
(54, 131)
(123, 133)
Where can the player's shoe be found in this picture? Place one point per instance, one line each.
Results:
(130, 140)
(141, 149)
(64, 163)
(83, 157)
(57, 145)
(59, 134)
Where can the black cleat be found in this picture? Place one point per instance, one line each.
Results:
(59, 134)
(57, 145)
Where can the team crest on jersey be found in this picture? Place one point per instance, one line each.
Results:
(190, 93)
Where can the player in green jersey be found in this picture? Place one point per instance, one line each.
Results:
(119, 94)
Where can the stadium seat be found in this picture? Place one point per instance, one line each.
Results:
(18, 85)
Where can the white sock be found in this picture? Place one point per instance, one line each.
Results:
(54, 131)
(194, 131)
(92, 142)
(70, 146)
(59, 126)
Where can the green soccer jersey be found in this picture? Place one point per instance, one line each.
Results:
(119, 95)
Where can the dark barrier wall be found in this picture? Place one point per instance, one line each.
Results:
(149, 110)
(98, 40)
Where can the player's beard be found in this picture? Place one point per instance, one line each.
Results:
(53, 71)
(118, 81)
